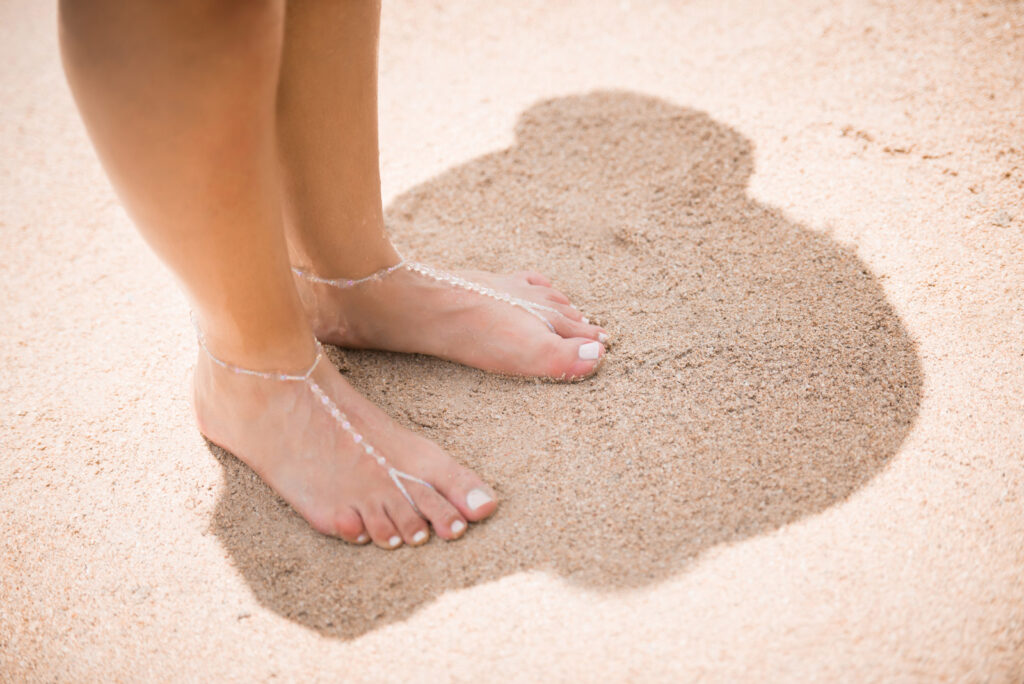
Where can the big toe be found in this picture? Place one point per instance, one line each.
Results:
(568, 358)
(470, 495)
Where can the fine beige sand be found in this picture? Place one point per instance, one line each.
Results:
(802, 460)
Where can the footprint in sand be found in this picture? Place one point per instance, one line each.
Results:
(758, 373)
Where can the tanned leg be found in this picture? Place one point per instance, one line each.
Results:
(179, 99)
(327, 126)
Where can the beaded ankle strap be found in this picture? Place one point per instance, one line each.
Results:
(532, 308)
(328, 405)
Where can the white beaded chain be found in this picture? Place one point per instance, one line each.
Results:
(328, 405)
(532, 308)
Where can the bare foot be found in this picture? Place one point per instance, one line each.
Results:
(285, 431)
(408, 311)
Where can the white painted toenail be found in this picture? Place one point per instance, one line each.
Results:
(394, 541)
(419, 537)
(586, 320)
(458, 526)
(477, 498)
(590, 351)
(602, 337)
(361, 539)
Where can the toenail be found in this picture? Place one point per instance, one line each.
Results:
(590, 351)
(394, 541)
(457, 527)
(477, 498)
(362, 539)
(586, 320)
(419, 537)
(602, 337)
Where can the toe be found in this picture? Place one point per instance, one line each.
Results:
(348, 525)
(568, 311)
(568, 358)
(473, 499)
(566, 327)
(463, 489)
(448, 523)
(410, 525)
(548, 295)
(534, 278)
(378, 524)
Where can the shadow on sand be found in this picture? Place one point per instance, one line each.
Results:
(758, 376)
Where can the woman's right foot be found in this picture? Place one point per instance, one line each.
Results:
(284, 430)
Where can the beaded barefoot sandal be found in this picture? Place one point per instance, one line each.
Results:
(533, 308)
(328, 405)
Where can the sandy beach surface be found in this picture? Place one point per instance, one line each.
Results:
(803, 460)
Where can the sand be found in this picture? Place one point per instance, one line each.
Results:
(801, 461)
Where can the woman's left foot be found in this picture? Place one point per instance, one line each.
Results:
(410, 310)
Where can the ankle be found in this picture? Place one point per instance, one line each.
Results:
(340, 260)
(290, 349)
